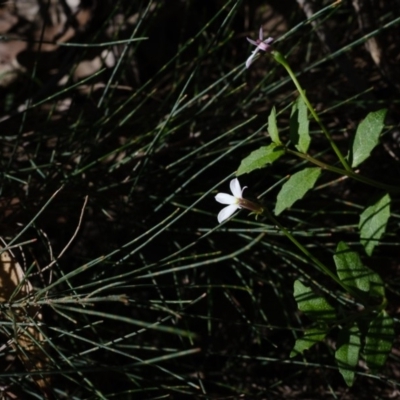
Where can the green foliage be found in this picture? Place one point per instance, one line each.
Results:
(273, 127)
(310, 337)
(364, 284)
(348, 352)
(299, 126)
(351, 271)
(367, 136)
(296, 188)
(314, 306)
(379, 340)
(260, 158)
(357, 282)
(373, 221)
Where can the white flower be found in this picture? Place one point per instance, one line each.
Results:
(232, 201)
(260, 44)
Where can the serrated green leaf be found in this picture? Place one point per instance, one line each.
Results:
(295, 188)
(273, 127)
(367, 136)
(310, 337)
(379, 341)
(354, 274)
(348, 353)
(260, 158)
(313, 305)
(373, 221)
(299, 126)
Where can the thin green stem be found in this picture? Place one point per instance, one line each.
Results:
(340, 171)
(323, 268)
(282, 60)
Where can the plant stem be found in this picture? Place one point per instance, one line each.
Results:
(340, 171)
(323, 268)
(282, 60)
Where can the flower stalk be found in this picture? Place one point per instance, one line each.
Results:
(281, 59)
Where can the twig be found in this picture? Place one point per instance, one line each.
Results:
(72, 238)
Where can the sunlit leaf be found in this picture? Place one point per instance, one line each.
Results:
(310, 337)
(350, 269)
(260, 158)
(377, 288)
(348, 353)
(367, 136)
(296, 187)
(353, 273)
(373, 221)
(313, 305)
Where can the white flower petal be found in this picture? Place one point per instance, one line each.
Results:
(225, 198)
(235, 188)
(251, 58)
(268, 40)
(226, 212)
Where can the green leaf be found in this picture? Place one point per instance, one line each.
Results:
(310, 337)
(296, 187)
(367, 136)
(299, 126)
(354, 274)
(350, 269)
(273, 128)
(311, 304)
(348, 353)
(260, 158)
(379, 340)
(377, 288)
(373, 221)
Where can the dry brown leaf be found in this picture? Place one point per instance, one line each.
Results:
(14, 287)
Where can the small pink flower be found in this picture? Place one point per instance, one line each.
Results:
(260, 44)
